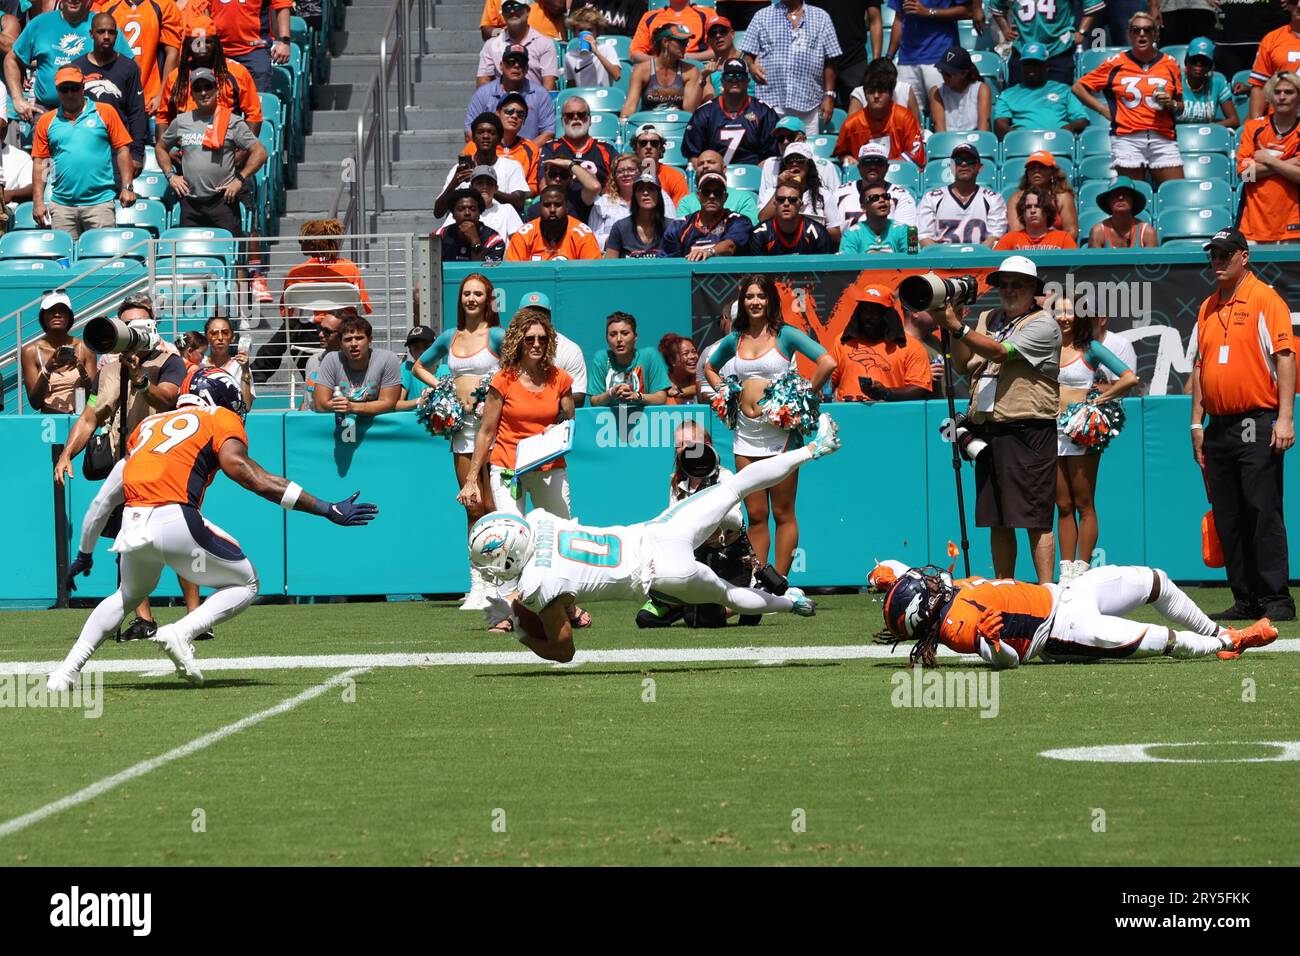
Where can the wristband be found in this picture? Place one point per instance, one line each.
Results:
(290, 496)
(1197, 426)
(959, 335)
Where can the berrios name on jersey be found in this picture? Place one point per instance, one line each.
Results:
(590, 563)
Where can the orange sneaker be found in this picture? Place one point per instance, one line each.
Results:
(260, 292)
(1260, 634)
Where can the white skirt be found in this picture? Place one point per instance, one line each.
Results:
(462, 442)
(756, 438)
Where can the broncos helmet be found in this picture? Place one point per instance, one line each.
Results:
(500, 544)
(215, 387)
(915, 602)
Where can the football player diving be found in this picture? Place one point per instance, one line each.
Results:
(541, 564)
(172, 458)
(1010, 622)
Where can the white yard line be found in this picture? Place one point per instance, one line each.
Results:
(649, 655)
(153, 763)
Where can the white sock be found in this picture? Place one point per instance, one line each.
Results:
(217, 607)
(1181, 609)
(1186, 644)
(106, 616)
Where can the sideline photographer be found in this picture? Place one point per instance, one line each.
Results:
(1012, 357)
(727, 554)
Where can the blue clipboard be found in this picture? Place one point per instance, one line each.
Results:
(555, 447)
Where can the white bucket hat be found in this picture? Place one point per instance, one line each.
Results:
(1015, 266)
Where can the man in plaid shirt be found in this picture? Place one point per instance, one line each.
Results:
(789, 47)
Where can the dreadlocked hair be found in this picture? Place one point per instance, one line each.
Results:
(512, 347)
(924, 650)
(320, 237)
(181, 83)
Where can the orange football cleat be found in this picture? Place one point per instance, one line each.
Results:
(260, 291)
(1259, 634)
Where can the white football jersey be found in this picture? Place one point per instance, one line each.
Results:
(943, 217)
(590, 563)
(902, 207)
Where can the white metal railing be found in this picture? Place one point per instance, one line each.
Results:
(395, 61)
(192, 280)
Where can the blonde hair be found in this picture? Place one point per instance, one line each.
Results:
(1282, 76)
(611, 184)
(512, 347)
(587, 18)
(1143, 15)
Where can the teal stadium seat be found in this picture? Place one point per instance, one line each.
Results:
(1014, 169)
(152, 186)
(1195, 194)
(28, 266)
(939, 173)
(111, 243)
(144, 213)
(623, 44)
(198, 241)
(741, 176)
(1204, 139)
(991, 66)
(673, 152)
(823, 144)
(1022, 142)
(1241, 100)
(903, 173)
(1192, 223)
(1086, 197)
(607, 99)
(838, 116)
(606, 126)
(659, 118)
(1178, 51)
(940, 145)
(1095, 167)
(1088, 60)
(23, 218)
(1209, 166)
(1093, 141)
(37, 244)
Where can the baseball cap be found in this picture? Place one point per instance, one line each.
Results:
(515, 50)
(877, 295)
(488, 171)
(1034, 51)
(873, 151)
(791, 124)
(203, 73)
(707, 178)
(965, 149)
(513, 97)
(1201, 46)
(735, 67)
(68, 74)
(1015, 266)
(57, 297)
(955, 61)
(798, 149)
(1230, 239)
(673, 31)
(537, 300)
(515, 3)
(422, 333)
(646, 176)
(646, 129)
(1040, 156)
(715, 20)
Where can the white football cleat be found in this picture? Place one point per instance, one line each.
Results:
(59, 681)
(804, 606)
(827, 439)
(180, 652)
(476, 599)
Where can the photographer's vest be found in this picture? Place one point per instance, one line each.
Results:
(137, 406)
(1021, 392)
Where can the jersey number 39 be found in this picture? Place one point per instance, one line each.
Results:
(171, 433)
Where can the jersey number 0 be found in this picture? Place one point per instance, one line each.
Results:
(598, 550)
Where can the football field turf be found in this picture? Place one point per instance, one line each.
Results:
(408, 746)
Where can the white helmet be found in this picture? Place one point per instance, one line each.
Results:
(500, 544)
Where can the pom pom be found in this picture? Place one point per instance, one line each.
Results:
(726, 403)
(1091, 424)
(479, 395)
(790, 403)
(439, 411)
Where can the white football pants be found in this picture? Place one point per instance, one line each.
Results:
(177, 537)
(548, 490)
(1088, 624)
(673, 537)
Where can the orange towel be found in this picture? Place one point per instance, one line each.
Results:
(215, 135)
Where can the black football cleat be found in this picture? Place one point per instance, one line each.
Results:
(140, 630)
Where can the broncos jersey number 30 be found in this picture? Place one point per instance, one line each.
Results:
(598, 550)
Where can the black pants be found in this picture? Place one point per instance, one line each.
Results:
(269, 356)
(1245, 478)
(213, 212)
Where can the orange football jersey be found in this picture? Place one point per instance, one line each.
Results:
(1025, 608)
(1129, 87)
(245, 25)
(146, 26)
(1279, 50)
(172, 456)
(527, 245)
(1270, 207)
(239, 94)
(899, 133)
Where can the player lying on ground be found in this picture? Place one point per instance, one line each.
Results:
(1009, 622)
(171, 459)
(542, 564)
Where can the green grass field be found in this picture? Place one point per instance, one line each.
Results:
(479, 763)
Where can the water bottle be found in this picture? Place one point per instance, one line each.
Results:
(344, 420)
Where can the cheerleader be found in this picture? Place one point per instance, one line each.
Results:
(472, 350)
(761, 349)
(1076, 465)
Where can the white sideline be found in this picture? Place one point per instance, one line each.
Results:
(653, 655)
(153, 763)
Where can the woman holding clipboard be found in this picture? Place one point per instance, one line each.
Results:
(528, 395)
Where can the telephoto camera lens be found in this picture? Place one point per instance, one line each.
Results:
(924, 292)
(110, 336)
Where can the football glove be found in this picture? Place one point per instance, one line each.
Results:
(81, 564)
(498, 609)
(990, 628)
(350, 512)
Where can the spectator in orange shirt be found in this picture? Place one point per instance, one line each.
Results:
(235, 88)
(153, 29)
(554, 234)
(882, 118)
(1268, 159)
(1278, 52)
(875, 360)
(240, 27)
(694, 18)
(1035, 209)
(546, 17)
(1042, 172)
(1144, 94)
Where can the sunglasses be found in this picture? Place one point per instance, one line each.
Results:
(1221, 254)
(514, 111)
(713, 194)
(643, 143)
(68, 87)
(585, 114)
(536, 339)
(965, 161)
(1141, 29)
(877, 197)
(786, 200)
